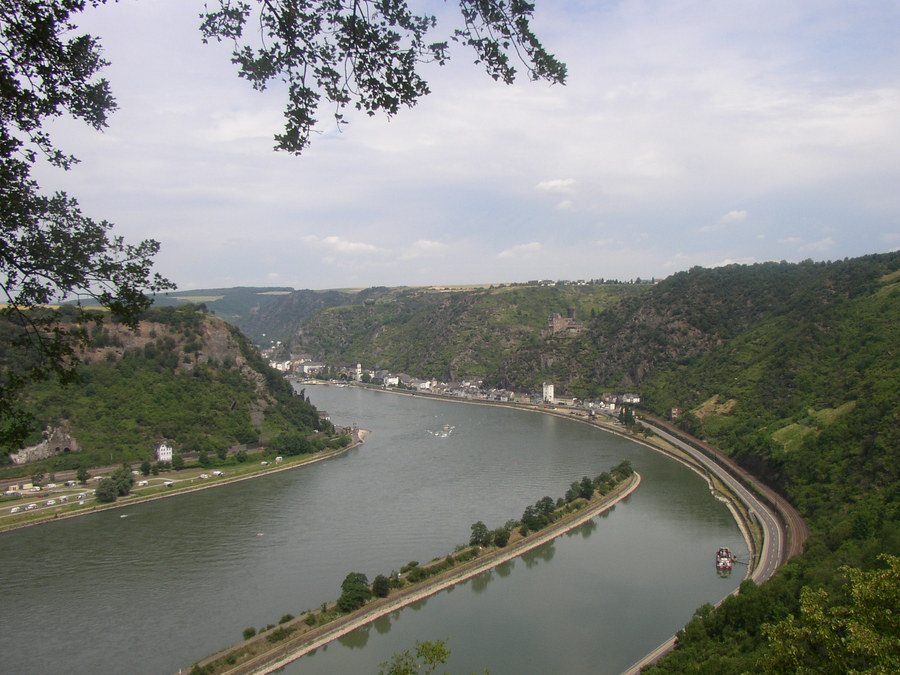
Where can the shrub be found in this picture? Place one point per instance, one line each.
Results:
(249, 632)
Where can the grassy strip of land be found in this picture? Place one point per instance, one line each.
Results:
(278, 645)
(183, 481)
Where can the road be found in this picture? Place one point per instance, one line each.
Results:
(783, 530)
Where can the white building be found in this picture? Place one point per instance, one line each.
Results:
(549, 395)
(164, 452)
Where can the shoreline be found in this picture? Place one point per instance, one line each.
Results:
(133, 499)
(283, 654)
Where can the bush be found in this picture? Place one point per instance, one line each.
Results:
(249, 632)
(285, 618)
(381, 586)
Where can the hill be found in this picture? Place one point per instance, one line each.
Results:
(792, 368)
(500, 333)
(182, 376)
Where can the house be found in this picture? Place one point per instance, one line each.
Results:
(164, 452)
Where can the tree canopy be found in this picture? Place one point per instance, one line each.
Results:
(49, 250)
(366, 53)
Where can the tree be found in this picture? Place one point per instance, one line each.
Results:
(500, 537)
(381, 586)
(858, 634)
(366, 53)
(177, 461)
(354, 592)
(82, 475)
(145, 467)
(107, 492)
(49, 249)
(123, 480)
(429, 655)
(480, 535)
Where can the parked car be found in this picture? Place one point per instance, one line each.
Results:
(15, 509)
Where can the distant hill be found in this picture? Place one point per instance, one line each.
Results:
(235, 305)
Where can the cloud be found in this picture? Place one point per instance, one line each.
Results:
(522, 250)
(565, 205)
(821, 246)
(340, 246)
(557, 186)
(729, 218)
(733, 217)
(424, 248)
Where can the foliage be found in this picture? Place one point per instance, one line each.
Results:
(365, 53)
(498, 333)
(50, 249)
(106, 491)
(429, 655)
(480, 535)
(858, 633)
(147, 392)
(354, 592)
(381, 586)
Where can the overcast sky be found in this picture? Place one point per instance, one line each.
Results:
(689, 133)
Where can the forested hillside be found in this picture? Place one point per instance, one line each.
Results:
(499, 333)
(182, 376)
(793, 369)
(807, 397)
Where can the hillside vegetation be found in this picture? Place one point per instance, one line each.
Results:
(793, 369)
(182, 376)
(497, 333)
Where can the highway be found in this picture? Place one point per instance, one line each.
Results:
(783, 530)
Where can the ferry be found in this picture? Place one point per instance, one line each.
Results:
(724, 559)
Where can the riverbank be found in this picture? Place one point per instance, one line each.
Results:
(742, 515)
(277, 655)
(186, 481)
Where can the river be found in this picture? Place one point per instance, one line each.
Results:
(181, 578)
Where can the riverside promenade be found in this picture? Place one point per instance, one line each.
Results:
(292, 649)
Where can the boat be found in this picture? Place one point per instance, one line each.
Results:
(724, 558)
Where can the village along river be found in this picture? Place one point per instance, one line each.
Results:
(182, 577)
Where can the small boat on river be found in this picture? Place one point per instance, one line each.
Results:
(724, 558)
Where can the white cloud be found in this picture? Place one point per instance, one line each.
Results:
(821, 246)
(791, 110)
(423, 248)
(729, 218)
(340, 246)
(733, 217)
(557, 185)
(529, 250)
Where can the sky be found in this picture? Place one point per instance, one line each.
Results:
(688, 133)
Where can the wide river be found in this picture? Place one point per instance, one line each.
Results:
(181, 578)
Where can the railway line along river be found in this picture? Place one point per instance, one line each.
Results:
(181, 578)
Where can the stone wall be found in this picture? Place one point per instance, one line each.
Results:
(56, 442)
